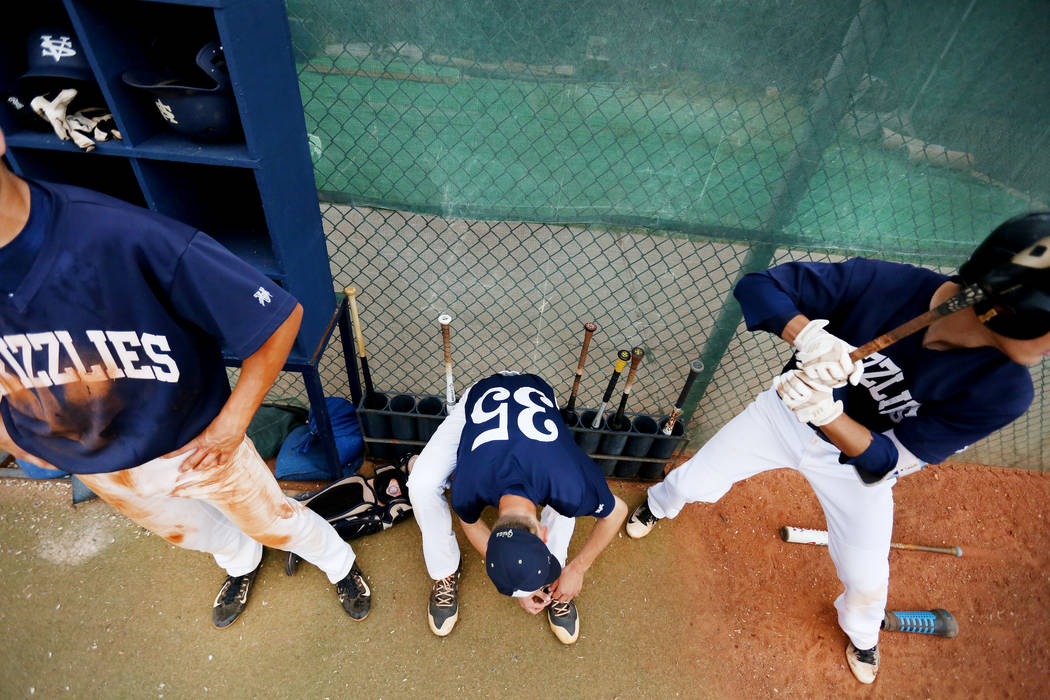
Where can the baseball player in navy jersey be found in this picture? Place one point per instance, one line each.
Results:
(504, 444)
(852, 429)
(111, 322)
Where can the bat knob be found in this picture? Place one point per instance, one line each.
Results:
(590, 327)
(624, 355)
(350, 291)
(696, 366)
(444, 319)
(638, 352)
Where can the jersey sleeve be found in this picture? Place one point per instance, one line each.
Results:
(226, 297)
(773, 297)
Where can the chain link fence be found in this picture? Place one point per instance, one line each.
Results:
(529, 167)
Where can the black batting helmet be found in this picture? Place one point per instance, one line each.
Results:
(1019, 294)
(197, 102)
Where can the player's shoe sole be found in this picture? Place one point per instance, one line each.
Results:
(641, 522)
(864, 664)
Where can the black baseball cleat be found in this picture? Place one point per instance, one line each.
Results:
(354, 593)
(564, 620)
(863, 662)
(232, 598)
(443, 610)
(641, 522)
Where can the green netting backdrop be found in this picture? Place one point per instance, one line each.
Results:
(530, 166)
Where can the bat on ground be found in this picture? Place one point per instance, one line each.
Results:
(695, 368)
(1035, 257)
(938, 622)
(588, 331)
(351, 297)
(622, 358)
(802, 535)
(446, 342)
(636, 358)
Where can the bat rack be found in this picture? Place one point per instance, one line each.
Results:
(393, 425)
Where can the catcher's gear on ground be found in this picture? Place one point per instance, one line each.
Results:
(1020, 293)
(196, 102)
(824, 357)
(811, 401)
(357, 506)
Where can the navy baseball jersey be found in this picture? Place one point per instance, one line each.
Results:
(515, 442)
(937, 402)
(110, 346)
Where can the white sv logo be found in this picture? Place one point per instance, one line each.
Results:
(524, 397)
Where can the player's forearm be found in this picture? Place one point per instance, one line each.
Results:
(848, 435)
(258, 372)
(605, 529)
(477, 534)
(793, 328)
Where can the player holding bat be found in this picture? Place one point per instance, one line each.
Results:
(853, 427)
(506, 445)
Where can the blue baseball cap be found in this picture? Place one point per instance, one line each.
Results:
(519, 563)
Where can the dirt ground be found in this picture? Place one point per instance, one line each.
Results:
(711, 605)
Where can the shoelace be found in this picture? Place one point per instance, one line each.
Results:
(560, 609)
(445, 592)
(866, 655)
(231, 593)
(646, 517)
(352, 585)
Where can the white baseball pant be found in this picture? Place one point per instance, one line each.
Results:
(229, 511)
(431, 475)
(766, 435)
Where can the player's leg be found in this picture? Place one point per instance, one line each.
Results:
(860, 526)
(427, 483)
(765, 435)
(245, 491)
(186, 523)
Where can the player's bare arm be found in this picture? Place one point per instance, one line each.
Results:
(605, 529)
(478, 535)
(258, 371)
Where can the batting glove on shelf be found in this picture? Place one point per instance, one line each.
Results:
(824, 357)
(811, 401)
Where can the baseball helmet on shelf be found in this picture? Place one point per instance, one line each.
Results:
(197, 102)
(54, 52)
(1019, 293)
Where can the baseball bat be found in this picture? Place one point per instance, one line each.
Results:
(695, 368)
(1034, 257)
(802, 535)
(588, 331)
(351, 297)
(636, 358)
(622, 358)
(446, 343)
(938, 622)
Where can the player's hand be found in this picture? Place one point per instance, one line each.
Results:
(824, 357)
(536, 602)
(811, 401)
(213, 447)
(568, 584)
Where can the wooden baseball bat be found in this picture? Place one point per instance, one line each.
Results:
(636, 358)
(622, 358)
(588, 331)
(1035, 257)
(446, 342)
(695, 368)
(938, 622)
(801, 535)
(351, 297)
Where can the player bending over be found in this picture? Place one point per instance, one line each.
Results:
(506, 445)
(853, 428)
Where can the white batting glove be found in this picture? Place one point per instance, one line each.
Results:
(825, 358)
(54, 111)
(812, 402)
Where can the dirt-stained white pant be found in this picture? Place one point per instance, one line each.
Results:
(229, 511)
(766, 435)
